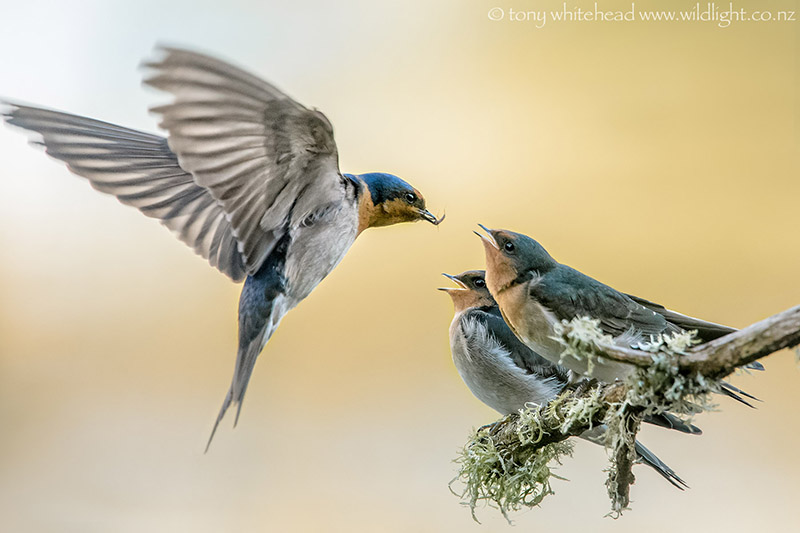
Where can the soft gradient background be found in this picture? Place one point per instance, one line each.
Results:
(660, 158)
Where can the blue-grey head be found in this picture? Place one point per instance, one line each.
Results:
(388, 200)
(512, 257)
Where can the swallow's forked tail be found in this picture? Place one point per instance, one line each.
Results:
(597, 435)
(245, 361)
(262, 305)
(736, 393)
(652, 460)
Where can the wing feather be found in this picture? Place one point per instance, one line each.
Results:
(569, 294)
(243, 164)
(140, 170)
(268, 160)
(707, 331)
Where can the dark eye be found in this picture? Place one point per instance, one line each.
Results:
(480, 283)
(509, 247)
(411, 197)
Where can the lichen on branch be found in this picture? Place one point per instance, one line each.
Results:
(508, 464)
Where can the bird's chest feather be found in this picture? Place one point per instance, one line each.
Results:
(530, 321)
(316, 248)
(488, 370)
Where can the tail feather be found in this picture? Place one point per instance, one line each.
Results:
(652, 460)
(262, 305)
(670, 421)
(245, 362)
(225, 405)
(736, 393)
(596, 435)
(244, 369)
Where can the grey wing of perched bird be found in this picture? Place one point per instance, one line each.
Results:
(623, 316)
(569, 294)
(140, 170)
(706, 331)
(270, 162)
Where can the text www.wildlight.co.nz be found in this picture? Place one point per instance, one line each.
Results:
(723, 15)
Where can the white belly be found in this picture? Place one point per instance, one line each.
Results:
(488, 370)
(315, 251)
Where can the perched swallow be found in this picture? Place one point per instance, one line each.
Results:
(506, 375)
(534, 292)
(500, 370)
(247, 177)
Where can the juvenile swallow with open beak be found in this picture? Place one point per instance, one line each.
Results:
(506, 375)
(246, 176)
(534, 292)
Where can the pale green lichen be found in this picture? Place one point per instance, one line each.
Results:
(581, 338)
(618, 435)
(582, 411)
(501, 478)
(662, 387)
(659, 387)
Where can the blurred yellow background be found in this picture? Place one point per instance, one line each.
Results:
(661, 158)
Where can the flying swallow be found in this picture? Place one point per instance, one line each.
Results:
(534, 292)
(246, 176)
(506, 375)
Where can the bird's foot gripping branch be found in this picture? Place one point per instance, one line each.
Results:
(509, 464)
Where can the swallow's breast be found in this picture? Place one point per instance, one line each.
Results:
(531, 322)
(316, 249)
(489, 371)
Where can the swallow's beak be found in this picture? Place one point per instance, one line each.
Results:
(488, 238)
(457, 281)
(430, 217)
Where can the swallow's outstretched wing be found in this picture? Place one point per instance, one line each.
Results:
(140, 170)
(244, 162)
(270, 162)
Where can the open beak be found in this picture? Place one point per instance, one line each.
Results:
(430, 217)
(488, 238)
(457, 281)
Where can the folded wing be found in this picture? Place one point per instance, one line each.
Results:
(569, 294)
(706, 331)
